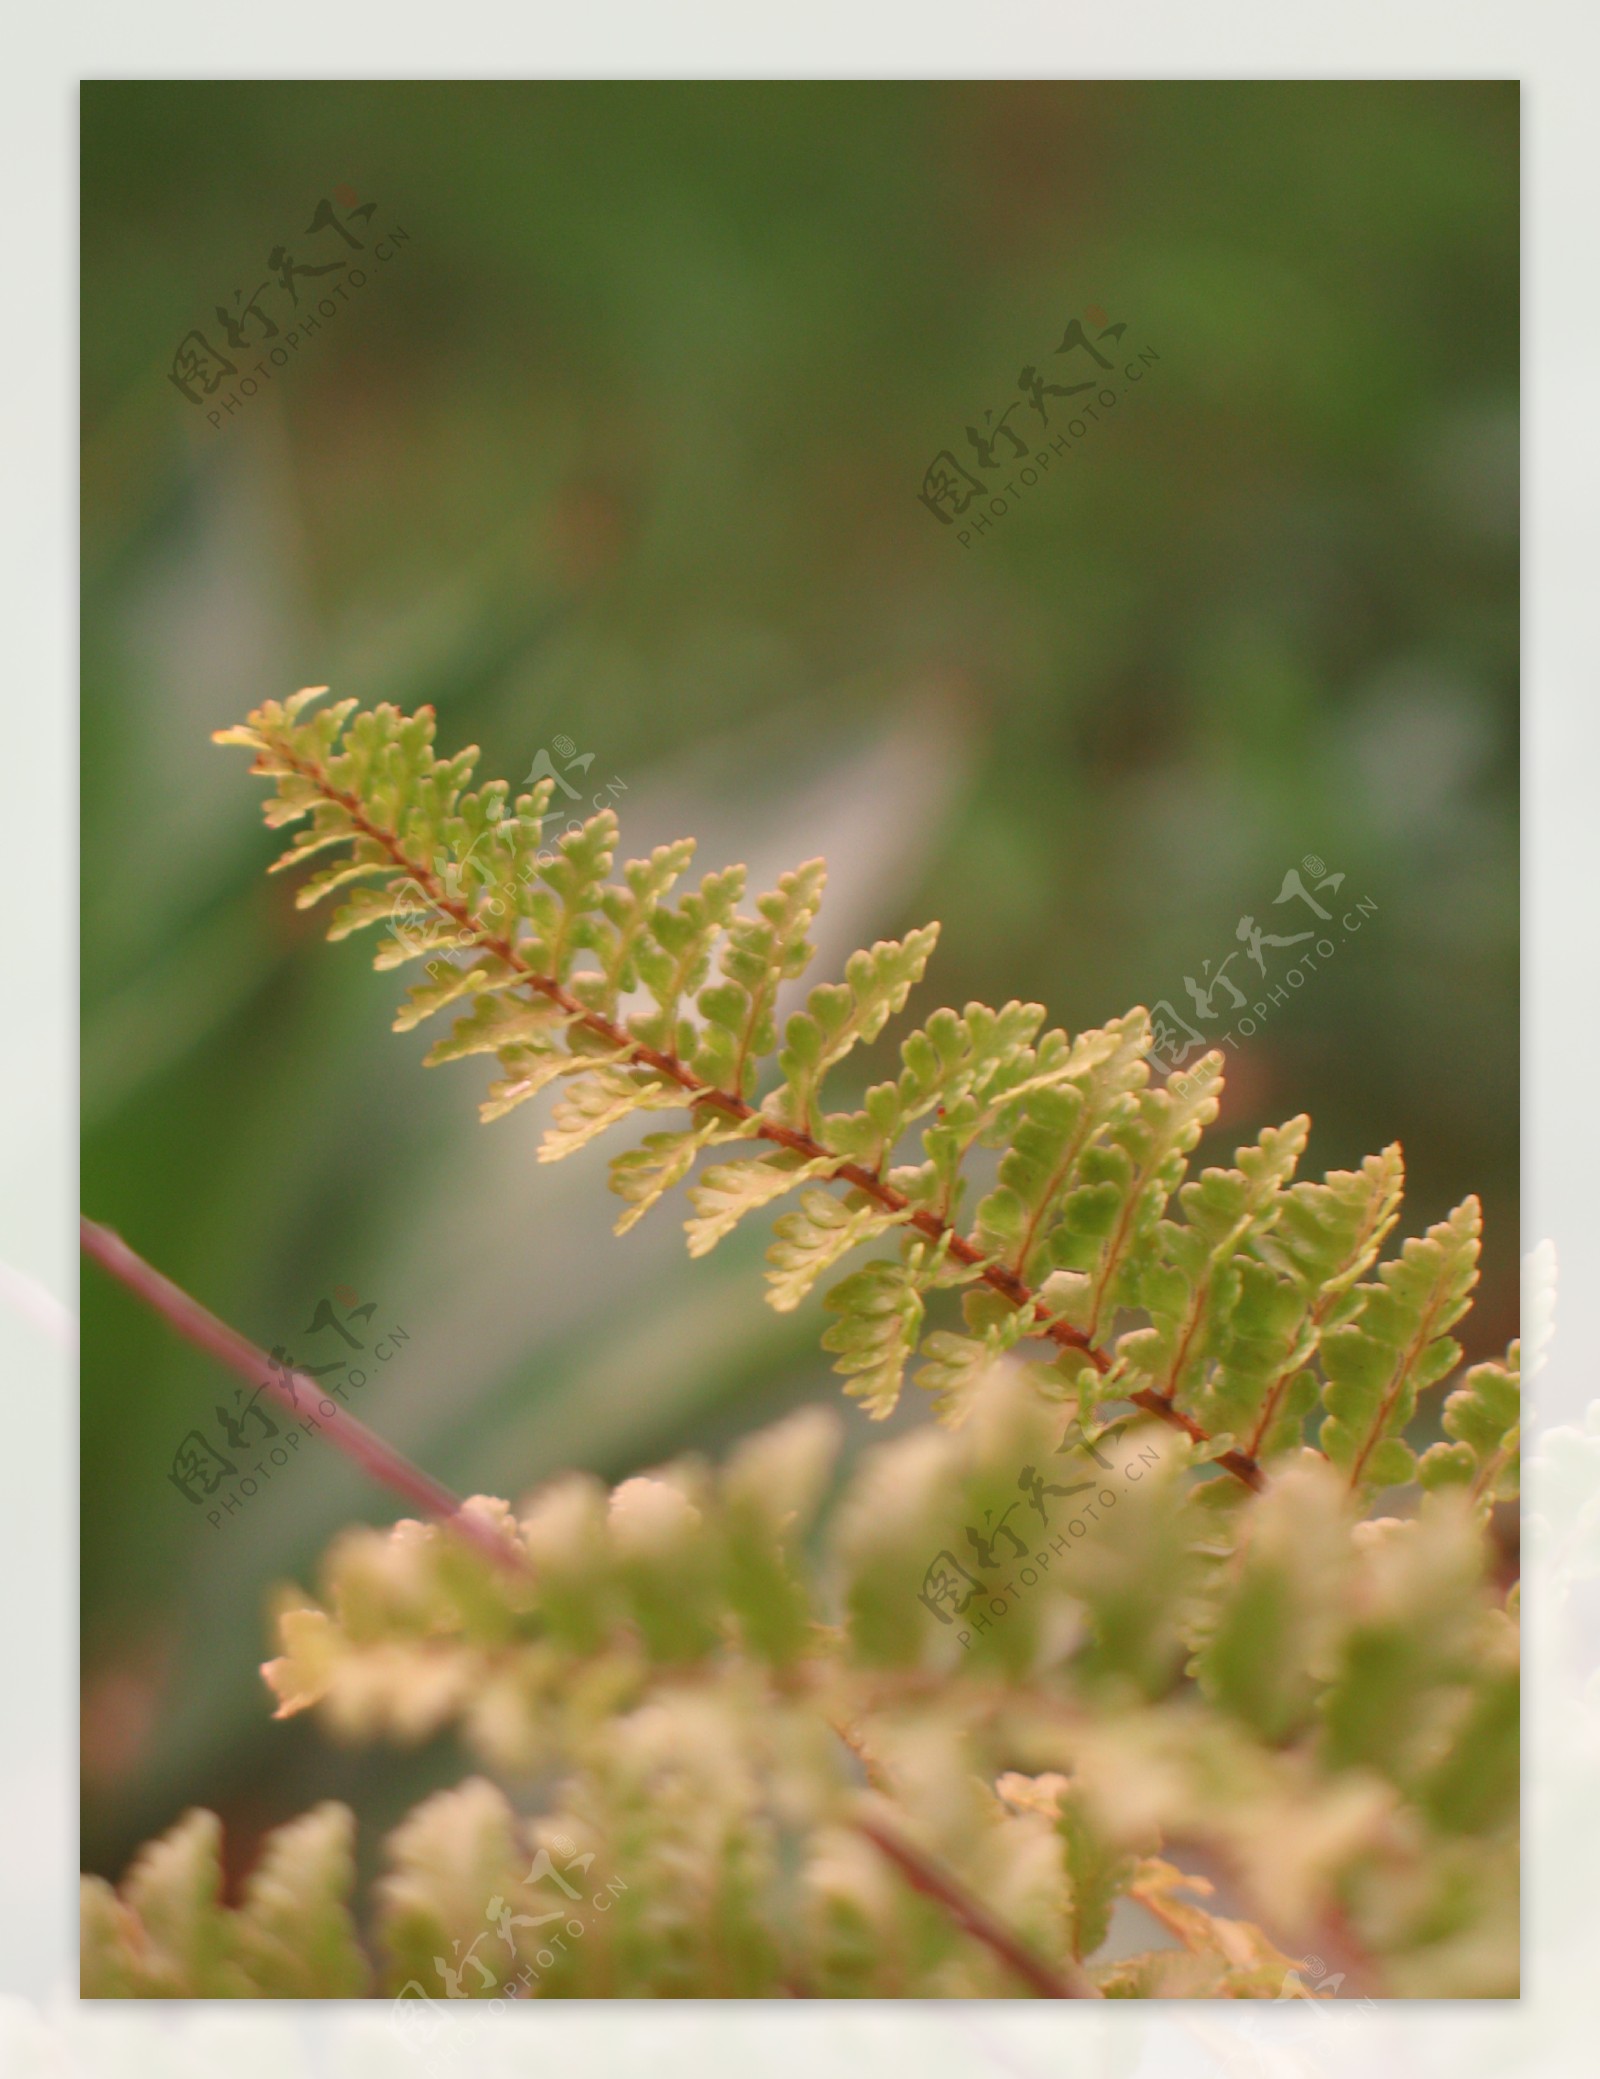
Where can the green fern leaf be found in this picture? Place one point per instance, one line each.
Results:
(295, 1937)
(1019, 1102)
(1191, 1284)
(628, 912)
(840, 1015)
(1474, 1788)
(1483, 1420)
(1119, 1190)
(760, 955)
(1325, 1237)
(1395, 1346)
(729, 1190)
(1033, 1171)
(368, 906)
(455, 1855)
(167, 1935)
(497, 1024)
(770, 1492)
(962, 1061)
(367, 860)
(675, 958)
(448, 984)
(957, 1055)
(1279, 1602)
(599, 1099)
(644, 1175)
(1328, 1234)
(544, 951)
(1411, 1637)
(575, 878)
(958, 1366)
(811, 1240)
(881, 1311)
(528, 1070)
(667, 1564)
(1098, 1870)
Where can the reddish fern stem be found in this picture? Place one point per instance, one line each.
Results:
(380, 1461)
(1006, 1282)
(923, 1874)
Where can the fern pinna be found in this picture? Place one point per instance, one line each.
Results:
(788, 1762)
(544, 952)
(941, 1731)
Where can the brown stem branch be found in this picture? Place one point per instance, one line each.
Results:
(379, 1460)
(995, 1275)
(923, 1874)
(1238, 1463)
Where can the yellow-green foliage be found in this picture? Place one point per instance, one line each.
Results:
(539, 949)
(953, 1729)
(714, 1683)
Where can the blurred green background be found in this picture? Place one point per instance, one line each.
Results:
(622, 449)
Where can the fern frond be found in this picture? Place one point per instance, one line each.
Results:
(1395, 1345)
(538, 949)
(167, 1935)
(455, 1857)
(812, 1239)
(1191, 1281)
(698, 1667)
(839, 1016)
(1296, 1284)
(729, 1190)
(764, 1739)
(1483, 1420)
(760, 954)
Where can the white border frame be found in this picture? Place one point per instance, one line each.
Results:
(1553, 49)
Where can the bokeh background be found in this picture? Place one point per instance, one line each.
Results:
(621, 451)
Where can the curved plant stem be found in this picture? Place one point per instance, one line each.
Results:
(698, 1092)
(380, 1461)
(923, 1874)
